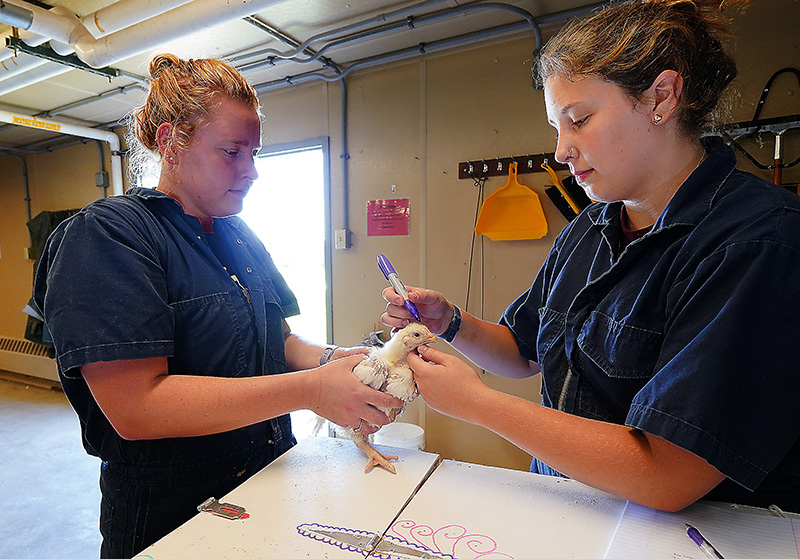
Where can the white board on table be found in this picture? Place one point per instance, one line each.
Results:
(321, 481)
(470, 511)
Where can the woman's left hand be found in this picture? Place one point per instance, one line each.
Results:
(447, 383)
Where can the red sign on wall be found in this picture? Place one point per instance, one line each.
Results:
(387, 217)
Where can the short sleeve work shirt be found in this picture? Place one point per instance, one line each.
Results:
(688, 333)
(133, 277)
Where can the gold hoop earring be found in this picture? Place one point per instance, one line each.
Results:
(658, 117)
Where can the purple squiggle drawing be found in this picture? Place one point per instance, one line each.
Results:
(343, 539)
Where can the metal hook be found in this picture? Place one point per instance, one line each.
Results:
(499, 164)
(485, 166)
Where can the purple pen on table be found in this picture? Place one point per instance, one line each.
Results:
(704, 545)
(399, 288)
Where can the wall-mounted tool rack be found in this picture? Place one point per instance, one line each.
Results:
(496, 166)
(774, 125)
(777, 126)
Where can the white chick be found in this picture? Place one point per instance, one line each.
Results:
(385, 369)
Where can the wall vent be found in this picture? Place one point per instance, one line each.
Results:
(27, 358)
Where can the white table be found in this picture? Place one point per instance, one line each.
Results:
(462, 508)
(470, 511)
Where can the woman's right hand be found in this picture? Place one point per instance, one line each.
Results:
(447, 383)
(340, 397)
(434, 310)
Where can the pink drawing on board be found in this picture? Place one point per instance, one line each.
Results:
(452, 539)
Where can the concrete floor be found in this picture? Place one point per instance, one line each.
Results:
(49, 495)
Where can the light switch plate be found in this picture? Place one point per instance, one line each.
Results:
(340, 239)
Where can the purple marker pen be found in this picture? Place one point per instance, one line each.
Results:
(399, 288)
(704, 545)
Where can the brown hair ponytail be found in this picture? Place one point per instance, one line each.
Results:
(631, 43)
(182, 92)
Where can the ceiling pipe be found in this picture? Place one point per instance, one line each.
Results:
(289, 80)
(287, 40)
(40, 21)
(83, 102)
(61, 47)
(18, 65)
(34, 40)
(394, 56)
(59, 23)
(409, 23)
(29, 38)
(49, 145)
(74, 130)
(336, 32)
(125, 13)
(119, 15)
(409, 52)
(412, 21)
(32, 76)
(15, 16)
(133, 40)
(67, 28)
(173, 24)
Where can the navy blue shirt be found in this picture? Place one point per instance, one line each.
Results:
(689, 333)
(133, 277)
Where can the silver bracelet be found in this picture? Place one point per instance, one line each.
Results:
(327, 354)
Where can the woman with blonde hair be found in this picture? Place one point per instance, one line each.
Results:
(168, 319)
(664, 320)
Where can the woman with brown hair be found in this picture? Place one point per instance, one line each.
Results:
(168, 318)
(664, 320)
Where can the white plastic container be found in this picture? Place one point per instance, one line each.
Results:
(401, 435)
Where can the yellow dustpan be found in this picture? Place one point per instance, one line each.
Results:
(512, 213)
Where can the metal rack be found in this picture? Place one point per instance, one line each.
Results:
(777, 126)
(496, 166)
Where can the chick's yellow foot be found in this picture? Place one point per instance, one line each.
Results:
(375, 457)
(382, 460)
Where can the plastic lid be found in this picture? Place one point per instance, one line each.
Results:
(402, 435)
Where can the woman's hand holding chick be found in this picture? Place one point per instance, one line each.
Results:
(338, 396)
(436, 373)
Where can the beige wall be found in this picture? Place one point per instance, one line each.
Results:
(57, 180)
(409, 126)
